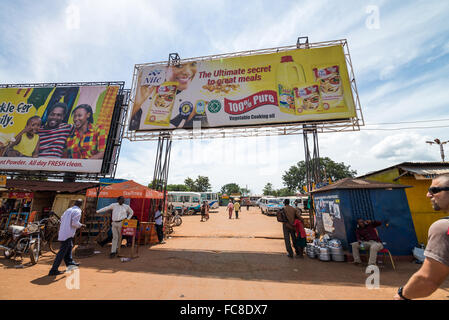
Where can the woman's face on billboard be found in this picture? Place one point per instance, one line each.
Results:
(182, 73)
(80, 117)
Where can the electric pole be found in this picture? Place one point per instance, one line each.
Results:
(437, 141)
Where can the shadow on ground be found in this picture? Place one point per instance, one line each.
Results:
(249, 266)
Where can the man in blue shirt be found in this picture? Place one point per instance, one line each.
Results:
(70, 221)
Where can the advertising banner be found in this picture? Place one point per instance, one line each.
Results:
(285, 87)
(55, 128)
(129, 227)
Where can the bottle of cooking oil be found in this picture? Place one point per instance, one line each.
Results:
(289, 75)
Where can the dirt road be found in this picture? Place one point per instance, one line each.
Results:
(218, 259)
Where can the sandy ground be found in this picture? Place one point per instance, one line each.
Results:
(220, 259)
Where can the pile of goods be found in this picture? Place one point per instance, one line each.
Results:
(325, 249)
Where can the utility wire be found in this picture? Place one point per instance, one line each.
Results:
(408, 128)
(417, 121)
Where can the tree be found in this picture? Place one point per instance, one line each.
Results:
(202, 184)
(295, 177)
(190, 184)
(230, 188)
(284, 192)
(156, 185)
(245, 191)
(268, 190)
(176, 187)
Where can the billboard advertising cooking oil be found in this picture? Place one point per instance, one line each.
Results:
(289, 75)
(161, 106)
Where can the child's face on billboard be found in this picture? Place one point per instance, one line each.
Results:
(182, 73)
(34, 125)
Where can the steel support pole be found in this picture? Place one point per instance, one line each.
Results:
(161, 169)
(313, 168)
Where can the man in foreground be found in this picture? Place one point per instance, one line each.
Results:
(435, 268)
(120, 211)
(70, 221)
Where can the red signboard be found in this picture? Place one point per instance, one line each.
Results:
(20, 195)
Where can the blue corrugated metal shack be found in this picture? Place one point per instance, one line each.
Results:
(339, 205)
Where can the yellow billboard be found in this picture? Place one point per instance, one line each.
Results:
(56, 128)
(291, 86)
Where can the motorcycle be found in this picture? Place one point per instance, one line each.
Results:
(23, 240)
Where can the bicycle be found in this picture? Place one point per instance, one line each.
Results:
(50, 232)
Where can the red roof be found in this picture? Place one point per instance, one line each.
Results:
(127, 189)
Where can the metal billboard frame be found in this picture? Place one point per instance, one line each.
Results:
(322, 126)
(113, 144)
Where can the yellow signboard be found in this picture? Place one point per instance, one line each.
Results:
(2, 181)
(131, 223)
(289, 86)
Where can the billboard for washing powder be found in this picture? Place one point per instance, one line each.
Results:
(56, 128)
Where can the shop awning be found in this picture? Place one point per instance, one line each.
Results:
(55, 186)
(350, 183)
(127, 189)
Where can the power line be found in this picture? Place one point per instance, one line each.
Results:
(407, 128)
(417, 121)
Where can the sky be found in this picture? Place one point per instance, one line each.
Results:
(399, 52)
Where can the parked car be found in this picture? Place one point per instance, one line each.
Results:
(297, 202)
(270, 206)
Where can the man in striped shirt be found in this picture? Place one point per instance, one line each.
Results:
(53, 134)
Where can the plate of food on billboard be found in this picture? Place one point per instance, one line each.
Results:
(290, 86)
(55, 128)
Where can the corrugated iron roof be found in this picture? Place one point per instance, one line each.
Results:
(36, 185)
(350, 183)
(422, 168)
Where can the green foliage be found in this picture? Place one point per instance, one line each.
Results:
(156, 185)
(284, 192)
(190, 184)
(176, 187)
(268, 190)
(295, 177)
(200, 184)
(230, 188)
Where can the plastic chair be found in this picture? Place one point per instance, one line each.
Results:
(385, 251)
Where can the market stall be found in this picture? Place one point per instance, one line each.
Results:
(141, 199)
(339, 205)
(25, 200)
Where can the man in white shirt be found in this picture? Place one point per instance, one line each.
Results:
(159, 225)
(120, 211)
(70, 221)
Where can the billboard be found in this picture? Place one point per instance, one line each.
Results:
(291, 86)
(56, 128)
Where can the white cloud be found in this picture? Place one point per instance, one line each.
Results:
(403, 147)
